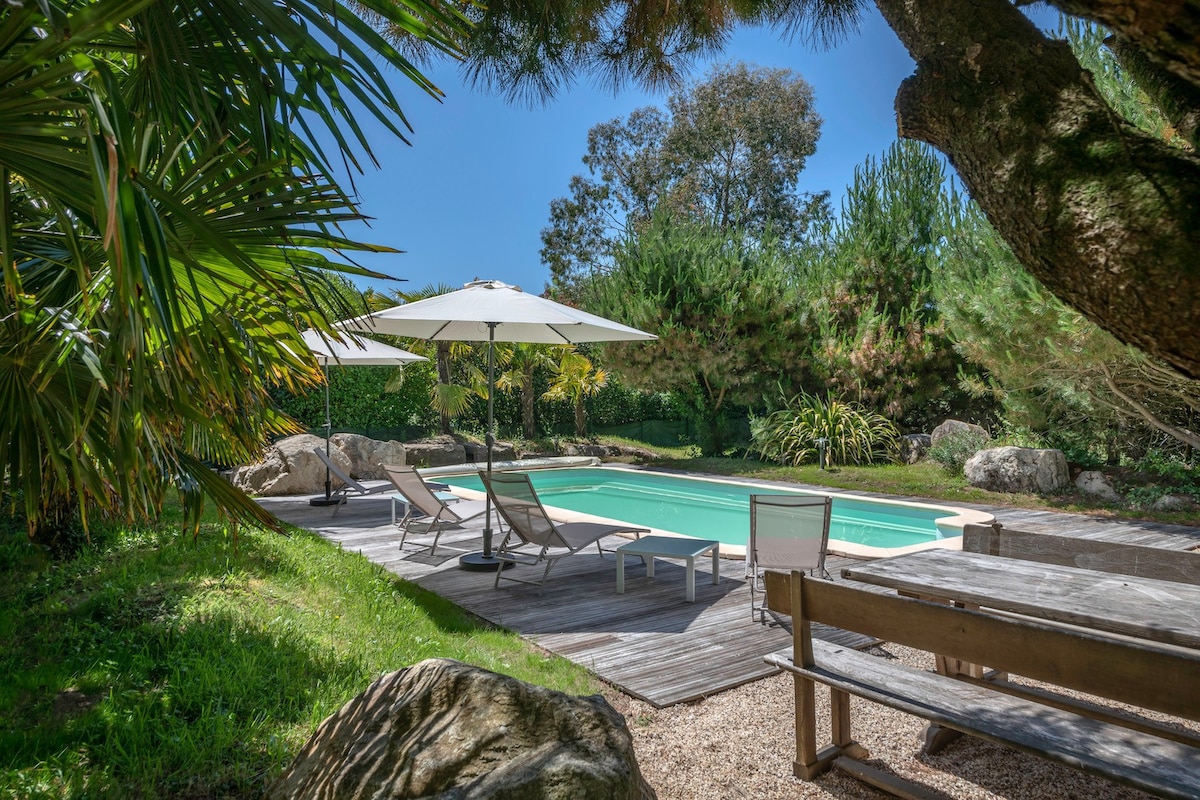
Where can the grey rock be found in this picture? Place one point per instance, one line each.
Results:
(391, 452)
(439, 451)
(1018, 469)
(501, 451)
(1174, 502)
(914, 446)
(367, 456)
(446, 730)
(288, 467)
(596, 450)
(953, 426)
(1097, 484)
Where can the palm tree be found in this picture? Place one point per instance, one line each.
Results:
(449, 399)
(576, 378)
(523, 361)
(165, 214)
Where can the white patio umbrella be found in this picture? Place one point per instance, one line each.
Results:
(352, 351)
(492, 311)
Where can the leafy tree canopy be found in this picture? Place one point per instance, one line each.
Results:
(166, 220)
(727, 153)
(1105, 215)
(724, 309)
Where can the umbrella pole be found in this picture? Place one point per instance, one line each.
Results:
(490, 438)
(485, 561)
(328, 427)
(326, 500)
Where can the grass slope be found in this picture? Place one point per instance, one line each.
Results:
(158, 666)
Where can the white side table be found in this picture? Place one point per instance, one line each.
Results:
(400, 500)
(669, 547)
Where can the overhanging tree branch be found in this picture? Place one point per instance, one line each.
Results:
(1181, 434)
(1106, 217)
(1167, 32)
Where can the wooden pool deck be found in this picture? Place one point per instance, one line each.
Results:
(649, 642)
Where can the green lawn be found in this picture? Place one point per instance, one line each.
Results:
(158, 666)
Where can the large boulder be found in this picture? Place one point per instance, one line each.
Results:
(593, 450)
(953, 427)
(439, 451)
(367, 456)
(1018, 469)
(914, 446)
(1096, 483)
(477, 452)
(1174, 502)
(288, 467)
(444, 729)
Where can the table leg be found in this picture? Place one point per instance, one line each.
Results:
(691, 579)
(620, 572)
(649, 566)
(393, 512)
(716, 564)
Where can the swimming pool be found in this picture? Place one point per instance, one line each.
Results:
(717, 509)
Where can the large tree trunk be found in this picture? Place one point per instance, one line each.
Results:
(1167, 33)
(580, 416)
(1106, 217)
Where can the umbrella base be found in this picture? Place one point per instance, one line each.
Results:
(478, 562)
(326, 501)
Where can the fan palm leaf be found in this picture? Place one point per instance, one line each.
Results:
(168, 224)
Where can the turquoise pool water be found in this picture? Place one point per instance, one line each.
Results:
(717, 510)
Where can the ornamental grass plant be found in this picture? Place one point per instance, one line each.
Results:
(851, 434)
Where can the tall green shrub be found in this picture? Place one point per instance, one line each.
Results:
(953, 451)
(724, 308)
(881, 339)
(363, 398)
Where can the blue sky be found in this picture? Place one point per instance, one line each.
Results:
(470, 196)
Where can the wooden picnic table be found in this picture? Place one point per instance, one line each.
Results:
(1159, 611)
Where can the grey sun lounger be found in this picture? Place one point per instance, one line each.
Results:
(349, 487)
(424, 507)
(534, 538)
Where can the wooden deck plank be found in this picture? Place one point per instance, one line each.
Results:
(649, 642)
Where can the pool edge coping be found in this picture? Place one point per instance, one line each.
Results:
(957, 519)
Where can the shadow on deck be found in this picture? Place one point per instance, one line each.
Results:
(649, 642)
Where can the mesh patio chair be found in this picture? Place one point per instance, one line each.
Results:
(424, 507)
(349, 487)
(532, 536)
(787, 532)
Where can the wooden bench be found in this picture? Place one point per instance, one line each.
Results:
(1181, 566)
(1126, 748)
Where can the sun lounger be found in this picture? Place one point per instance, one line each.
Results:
(533, 537)
(426, 508)
(349, 487)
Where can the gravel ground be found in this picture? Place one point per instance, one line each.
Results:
(740, 744)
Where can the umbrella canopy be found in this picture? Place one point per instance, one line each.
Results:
(492, 311)
(356, 350)
(353, 351)
(474, 312)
